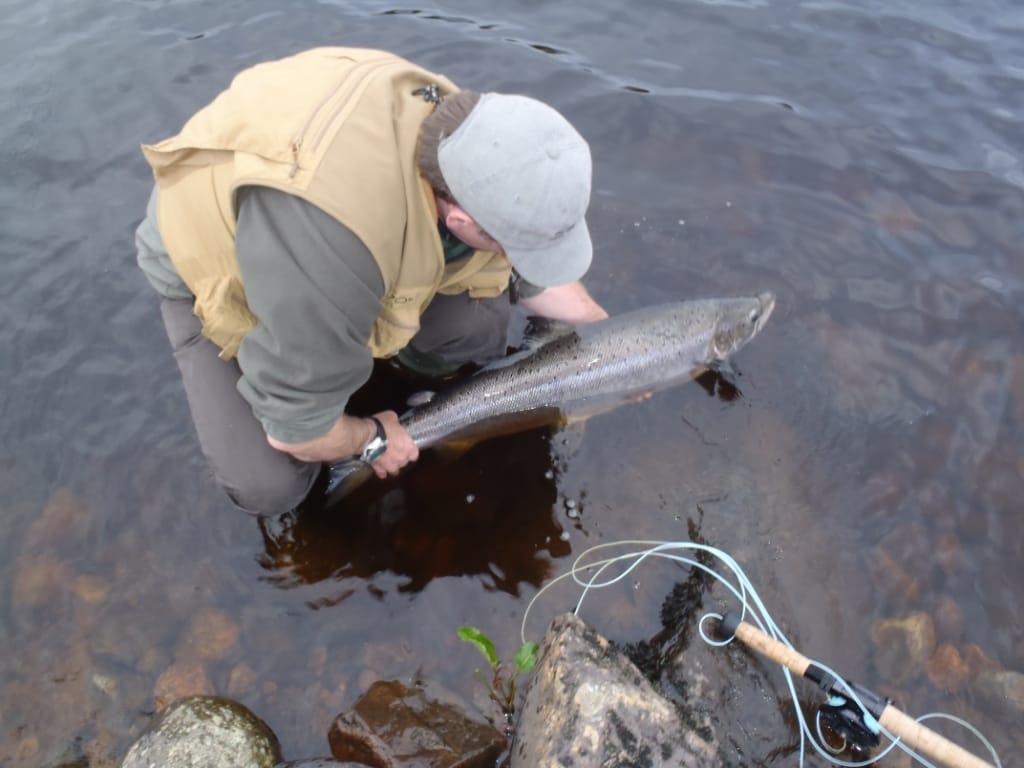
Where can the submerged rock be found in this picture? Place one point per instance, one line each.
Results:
(904, 647)
(891, 578)
(211, 634)
(1004, 693)
(949, 621)
(181, 679)
(588, 706)
(242, 680)
(393, 726)
(61, 523)
(92, 590)
(39, 580)
(949, 553)
(205, 731)
(947, 669)
(978, 661)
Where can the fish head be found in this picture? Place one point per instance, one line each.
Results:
(739, 321)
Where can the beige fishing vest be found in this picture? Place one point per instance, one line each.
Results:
(338, 128)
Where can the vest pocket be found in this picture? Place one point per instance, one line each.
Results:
(399, 319)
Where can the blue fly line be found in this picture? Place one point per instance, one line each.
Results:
(752, 607)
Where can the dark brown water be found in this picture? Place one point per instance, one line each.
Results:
(861, 159)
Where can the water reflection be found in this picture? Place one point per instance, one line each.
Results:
(489, 513)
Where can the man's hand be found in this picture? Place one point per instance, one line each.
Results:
(401, 449)
(569, 303)
(347, 438)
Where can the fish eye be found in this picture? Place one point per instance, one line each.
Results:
(754, 314)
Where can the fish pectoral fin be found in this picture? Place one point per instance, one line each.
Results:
(420, 398)
(540, 330)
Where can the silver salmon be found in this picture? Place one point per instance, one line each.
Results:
(588, 370)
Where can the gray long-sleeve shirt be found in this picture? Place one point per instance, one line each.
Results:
(315, 290)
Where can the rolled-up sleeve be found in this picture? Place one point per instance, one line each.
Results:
(315, 290)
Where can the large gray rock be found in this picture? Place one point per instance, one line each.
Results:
(205, 732)
(588, 706)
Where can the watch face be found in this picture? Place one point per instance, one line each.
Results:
(374, 449)
(378, 444)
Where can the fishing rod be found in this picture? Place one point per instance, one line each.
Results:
(853, 712)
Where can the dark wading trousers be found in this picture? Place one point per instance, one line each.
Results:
(259, 479)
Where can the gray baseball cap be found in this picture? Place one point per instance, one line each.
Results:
(523, 173)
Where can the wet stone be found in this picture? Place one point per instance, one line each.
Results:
(27, 749)
(910, 544)
(1003, 692)
(39, 580)
(949, 553)
(204, 731)
(106, 684)
(129, 642)
(181, 679)
(393, 726)
(241, 680)
(60, 522)
(949, 621)
(891, 578)
(91, 589)
(947, 669)
(978, 661)
(210, 636)
(587, 706)
(903, 647)
(151, 660)
(101, 748)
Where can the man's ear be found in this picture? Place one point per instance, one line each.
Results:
(457, 218)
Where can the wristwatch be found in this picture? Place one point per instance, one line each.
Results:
(377, 445)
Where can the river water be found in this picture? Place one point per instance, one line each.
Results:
(864, 462)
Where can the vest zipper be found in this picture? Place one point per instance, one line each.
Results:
(359, 74)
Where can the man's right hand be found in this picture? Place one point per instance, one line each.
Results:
(347, 439)
(401, 448)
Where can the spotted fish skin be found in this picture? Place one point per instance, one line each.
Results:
(591, 369)
(596, 366)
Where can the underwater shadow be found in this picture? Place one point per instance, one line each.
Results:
(488, 513)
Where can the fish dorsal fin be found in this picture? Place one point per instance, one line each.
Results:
(420, 398)
(541, 330)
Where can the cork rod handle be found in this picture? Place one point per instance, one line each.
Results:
(916, 736)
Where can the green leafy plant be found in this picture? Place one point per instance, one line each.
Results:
(502, 686)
